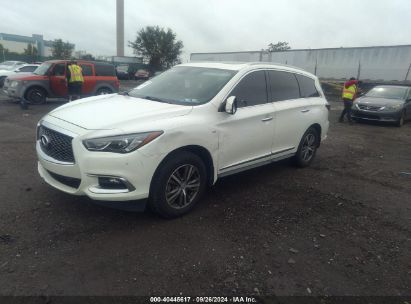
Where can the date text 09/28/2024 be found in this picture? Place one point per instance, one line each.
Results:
(236, 299)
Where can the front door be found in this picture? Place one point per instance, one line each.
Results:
(58, 81)
(245, 138)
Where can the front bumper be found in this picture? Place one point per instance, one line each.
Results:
(83, 177)
(376, 115)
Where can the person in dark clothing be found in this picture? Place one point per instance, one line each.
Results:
(349, 94)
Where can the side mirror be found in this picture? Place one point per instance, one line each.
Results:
(231, 105)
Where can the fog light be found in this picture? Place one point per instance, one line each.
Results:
(111, 183)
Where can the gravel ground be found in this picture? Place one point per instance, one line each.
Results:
(339, 227)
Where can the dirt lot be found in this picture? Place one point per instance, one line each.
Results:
(340, 227)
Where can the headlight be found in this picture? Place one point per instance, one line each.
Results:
(121, 143)
(14, 83)
(393, 107)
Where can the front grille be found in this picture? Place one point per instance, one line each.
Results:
(56, 145)
(369, 108)
(365, 116)
(65, 180)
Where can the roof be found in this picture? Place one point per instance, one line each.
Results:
(242, 65)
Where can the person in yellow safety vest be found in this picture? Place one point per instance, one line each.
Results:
(75, 80)
(349, 94)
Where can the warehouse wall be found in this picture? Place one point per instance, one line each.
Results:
(385, 63)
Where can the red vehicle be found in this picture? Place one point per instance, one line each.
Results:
(49, 81)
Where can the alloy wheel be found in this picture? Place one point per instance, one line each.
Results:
(308, 148)
(183, 186)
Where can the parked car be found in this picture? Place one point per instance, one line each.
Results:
(26, 68)
(142, 74)
(122, 72)
(49, 80)
(172, 136)
(11, 65)
(385, 104)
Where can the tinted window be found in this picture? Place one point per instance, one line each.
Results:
(307, 86)
(284, 86)
(104, 70)
(29, 68)
(86, 70)
(59, 69)
(251, 90)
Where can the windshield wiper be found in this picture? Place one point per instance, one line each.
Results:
(155, 99)
(124, 93)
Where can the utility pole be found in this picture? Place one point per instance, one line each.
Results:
(120, 27)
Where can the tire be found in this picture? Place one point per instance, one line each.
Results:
(401, 120)
(104, 91)
(307, 148)
(36, 96)
(177, 185)
(2, 79)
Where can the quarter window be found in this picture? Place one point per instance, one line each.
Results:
(283, 86)
(252, 90)
(104, 70)
(307, 86)
(29, 68)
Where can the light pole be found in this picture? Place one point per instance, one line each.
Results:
(120, 27)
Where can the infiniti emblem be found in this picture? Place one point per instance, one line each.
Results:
(45, 141)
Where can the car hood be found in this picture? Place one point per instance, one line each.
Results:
(6, 72)
(113, 111)
(381, 102)
(26, 76)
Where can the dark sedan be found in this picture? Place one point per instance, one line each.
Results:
(384, 103)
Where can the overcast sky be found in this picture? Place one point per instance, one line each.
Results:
(214, 25)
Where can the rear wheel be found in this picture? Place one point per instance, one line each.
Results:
(178, 185)
(307, 148)
(36, 95)
(104, 91)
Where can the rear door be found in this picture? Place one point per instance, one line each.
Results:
(58, 81)
(292, 110)
(89, 78)
(246, 136)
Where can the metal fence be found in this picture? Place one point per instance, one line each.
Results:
(380, 63)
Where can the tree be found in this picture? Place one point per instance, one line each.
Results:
(157, 46)
(87, 57)
(278, 47)
(31, 50)
(62, 49)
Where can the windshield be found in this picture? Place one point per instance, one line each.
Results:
(387, 92)
(42, 70)
(184, 85)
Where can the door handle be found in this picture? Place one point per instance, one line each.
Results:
(267, 119)
(305, 111)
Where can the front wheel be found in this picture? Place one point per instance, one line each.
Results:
(307, 148)
(36, 96)
(401, 120)
(2, 80)
(178, 185)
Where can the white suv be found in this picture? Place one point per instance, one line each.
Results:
(166, 140)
